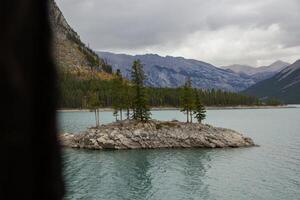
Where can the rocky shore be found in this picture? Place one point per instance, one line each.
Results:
(155, 134)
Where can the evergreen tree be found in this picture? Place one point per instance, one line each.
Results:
(187, 100)
(116, 114)
(141, 110)
(118, 95)
(199, 109)
(106, 67)
(94, 104)
(76, 91)
(94, 101)
(128, 98)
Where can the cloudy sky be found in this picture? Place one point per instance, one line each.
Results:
(221, 32)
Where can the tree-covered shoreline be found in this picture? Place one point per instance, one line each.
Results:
(90, 92)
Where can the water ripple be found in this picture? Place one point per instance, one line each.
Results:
(271, 171)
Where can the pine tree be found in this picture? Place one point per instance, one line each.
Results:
(118, 95)
(187, 100)
(128, 98)
(94, 104)
(76, 91)
(105, 66)
(199, 109)
(116, 114)
(141, 110)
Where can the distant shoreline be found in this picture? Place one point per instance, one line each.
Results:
(174, 108)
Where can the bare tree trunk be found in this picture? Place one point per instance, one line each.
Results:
(98, 116)
(187, 116)
(191, 116)
(128, 113)
(121, 114)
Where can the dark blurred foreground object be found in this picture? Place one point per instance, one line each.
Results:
(30, 160)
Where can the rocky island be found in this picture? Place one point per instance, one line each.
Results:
(155, 134)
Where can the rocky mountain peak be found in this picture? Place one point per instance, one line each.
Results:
(60, 26)
(70, 52)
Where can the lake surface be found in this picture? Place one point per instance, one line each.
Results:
(268, 172)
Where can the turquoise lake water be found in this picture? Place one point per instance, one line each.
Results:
(268, 172)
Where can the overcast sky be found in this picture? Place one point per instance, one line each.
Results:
(221, 32)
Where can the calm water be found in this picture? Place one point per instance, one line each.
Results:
(271, 171)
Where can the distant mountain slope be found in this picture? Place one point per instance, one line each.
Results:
(241, 69)
(172, 71)
(70, 52)
(285, 85)
(258, 73)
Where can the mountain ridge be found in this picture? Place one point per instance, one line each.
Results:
(169, 71)
(284, 86)
(258, 73)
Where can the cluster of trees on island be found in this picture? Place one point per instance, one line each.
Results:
(133, 98)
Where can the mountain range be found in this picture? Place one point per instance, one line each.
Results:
(171, 71)
(258, 73)
(284, 86)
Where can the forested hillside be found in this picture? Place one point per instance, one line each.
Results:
(83, 93)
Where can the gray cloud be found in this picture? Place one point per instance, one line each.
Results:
(222, 32)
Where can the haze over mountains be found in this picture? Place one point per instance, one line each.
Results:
(285, 85)
(258, 73)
